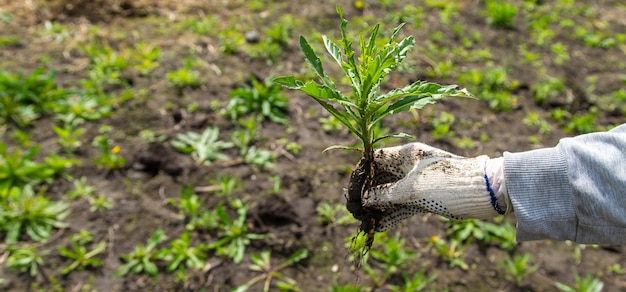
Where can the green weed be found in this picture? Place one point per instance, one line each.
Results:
(366, 105)
(260, 97)
(193, 209)
(233, 235)
(333, 215)
(181, 255)
(110, 157)
(262, 263)
(25, 258)
(18, 170)
(500, 14)
(204, 147)
(24, 98)
(141, 258)
(35, 215)
(146, 58)
(81, 189)
(450, 252)
(587, 284)
(184, 77)
(517, 267)
(547, 89)
(69, 137)
(81, 257)
(442, 125)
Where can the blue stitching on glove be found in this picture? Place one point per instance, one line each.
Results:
(492, 196)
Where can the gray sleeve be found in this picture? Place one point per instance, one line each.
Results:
(574, 191)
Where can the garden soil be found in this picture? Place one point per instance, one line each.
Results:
(156, 172)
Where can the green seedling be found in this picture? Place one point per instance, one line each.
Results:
(587, 284)
(333, 215)
(442, 125)
(244, 138)
(450, 252)
(517, 267)
(330, 124)
(465, 231)
(260, 97)
(82, 258)
(100, 202)
(233, 236)
(204, 147)
(109, 157)
(262, 263)
(500, 14)
(366, 104)
(25, 258)
(81, 189)
(146, 58)
(17, 169)
(192, 208)
(225, 185)
(547, 89)
(180, 255)
(183, 78)
(24, 98)
(77, 109)
(140, 259)
(35, 215)
(392, 257)
(418, 282)
(69, 137)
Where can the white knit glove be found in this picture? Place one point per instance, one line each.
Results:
(417, 178)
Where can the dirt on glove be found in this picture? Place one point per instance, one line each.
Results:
(361, 179)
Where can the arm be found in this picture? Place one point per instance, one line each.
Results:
(574, 191)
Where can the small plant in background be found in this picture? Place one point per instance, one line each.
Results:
(262, 263)
(81, 189)
(192, 208)
(79, 108)
(35, 215)
(260, 97)
(18, 170)
(418, 282)
(146, 58)
(547, 89)
(517, 267)
(69, 137)
(500, 14)
(110, 157)
(333, 215)
(233, 236)
(184, 77)
(23, 98)
(534, 119)
(250, 154)
(391, 256)
(449, 251)
(81, 257)
(204, 147)
(25, 258)
(181, 255)
(330, 124)
(140, 259)
(442, 125)
(100, 202)
(587, 284)
(226, 185)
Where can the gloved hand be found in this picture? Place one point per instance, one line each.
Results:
(417, 178)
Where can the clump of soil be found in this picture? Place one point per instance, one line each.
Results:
(361, 179)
